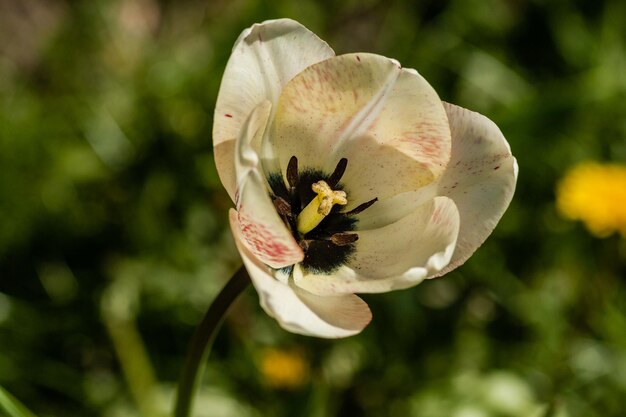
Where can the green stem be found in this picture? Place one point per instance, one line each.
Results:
(203, 339)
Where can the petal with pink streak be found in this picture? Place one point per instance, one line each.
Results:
(387, 121)
(263, 231)
(298, 310)
(265, 57)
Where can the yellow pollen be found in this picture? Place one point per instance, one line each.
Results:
(320, 206)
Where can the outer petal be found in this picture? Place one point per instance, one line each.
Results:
(387, 121)
(262, 229)
(480, 179)
(298, 310)
(399, 255)
(265, 57)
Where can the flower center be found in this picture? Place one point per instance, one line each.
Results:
(310, 204)
(320, 206)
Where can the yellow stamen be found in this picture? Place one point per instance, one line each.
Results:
(320, 206)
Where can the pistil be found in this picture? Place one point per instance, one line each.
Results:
(326, 235)
(320, 207)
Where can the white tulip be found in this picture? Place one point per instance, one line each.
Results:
(349, 175)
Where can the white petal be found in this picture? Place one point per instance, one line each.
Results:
(406, 147)
(251, 132)
(299, 311)
(399, 255)
(265, 57)
(263, 231)
(389, 210)
(329, 102)
(387, 121)
(480, 179)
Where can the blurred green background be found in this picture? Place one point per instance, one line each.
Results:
(114, 235)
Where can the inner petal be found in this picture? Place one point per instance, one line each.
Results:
(391, 209)
(330, 102)
(387, 121)
(399, 255)
(380, 171)
(423, 239)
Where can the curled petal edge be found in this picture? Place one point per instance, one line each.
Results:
(264, 58)
(480, 178)
(298, 310)
(263, 231)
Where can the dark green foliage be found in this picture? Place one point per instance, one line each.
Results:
(114, 235)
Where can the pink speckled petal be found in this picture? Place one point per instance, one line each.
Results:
(264, 232)
(398, 255)
(298, 310)
(387, 121)
(265, 57)
(406, 147)
(480, 179)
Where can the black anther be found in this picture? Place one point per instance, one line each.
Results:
(342, 238)
(361, 207)
(283, 207)
(338, 173)
(292, 172)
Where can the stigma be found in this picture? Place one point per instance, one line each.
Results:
(320, 206)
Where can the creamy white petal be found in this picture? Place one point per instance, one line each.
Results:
(264, 232)
(398, 255)
(406, 147)
(480, 178)
(265, 57)
(328, 102)
(391, 209)
(387, 121)
(297, 310)
(245, 156)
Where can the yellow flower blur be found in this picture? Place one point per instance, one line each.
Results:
(284, 369)
(595, 194)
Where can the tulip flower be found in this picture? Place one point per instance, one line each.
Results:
(349, 175)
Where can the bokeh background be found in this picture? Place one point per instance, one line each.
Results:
(114, 236)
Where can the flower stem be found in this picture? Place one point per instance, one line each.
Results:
(203, 339)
